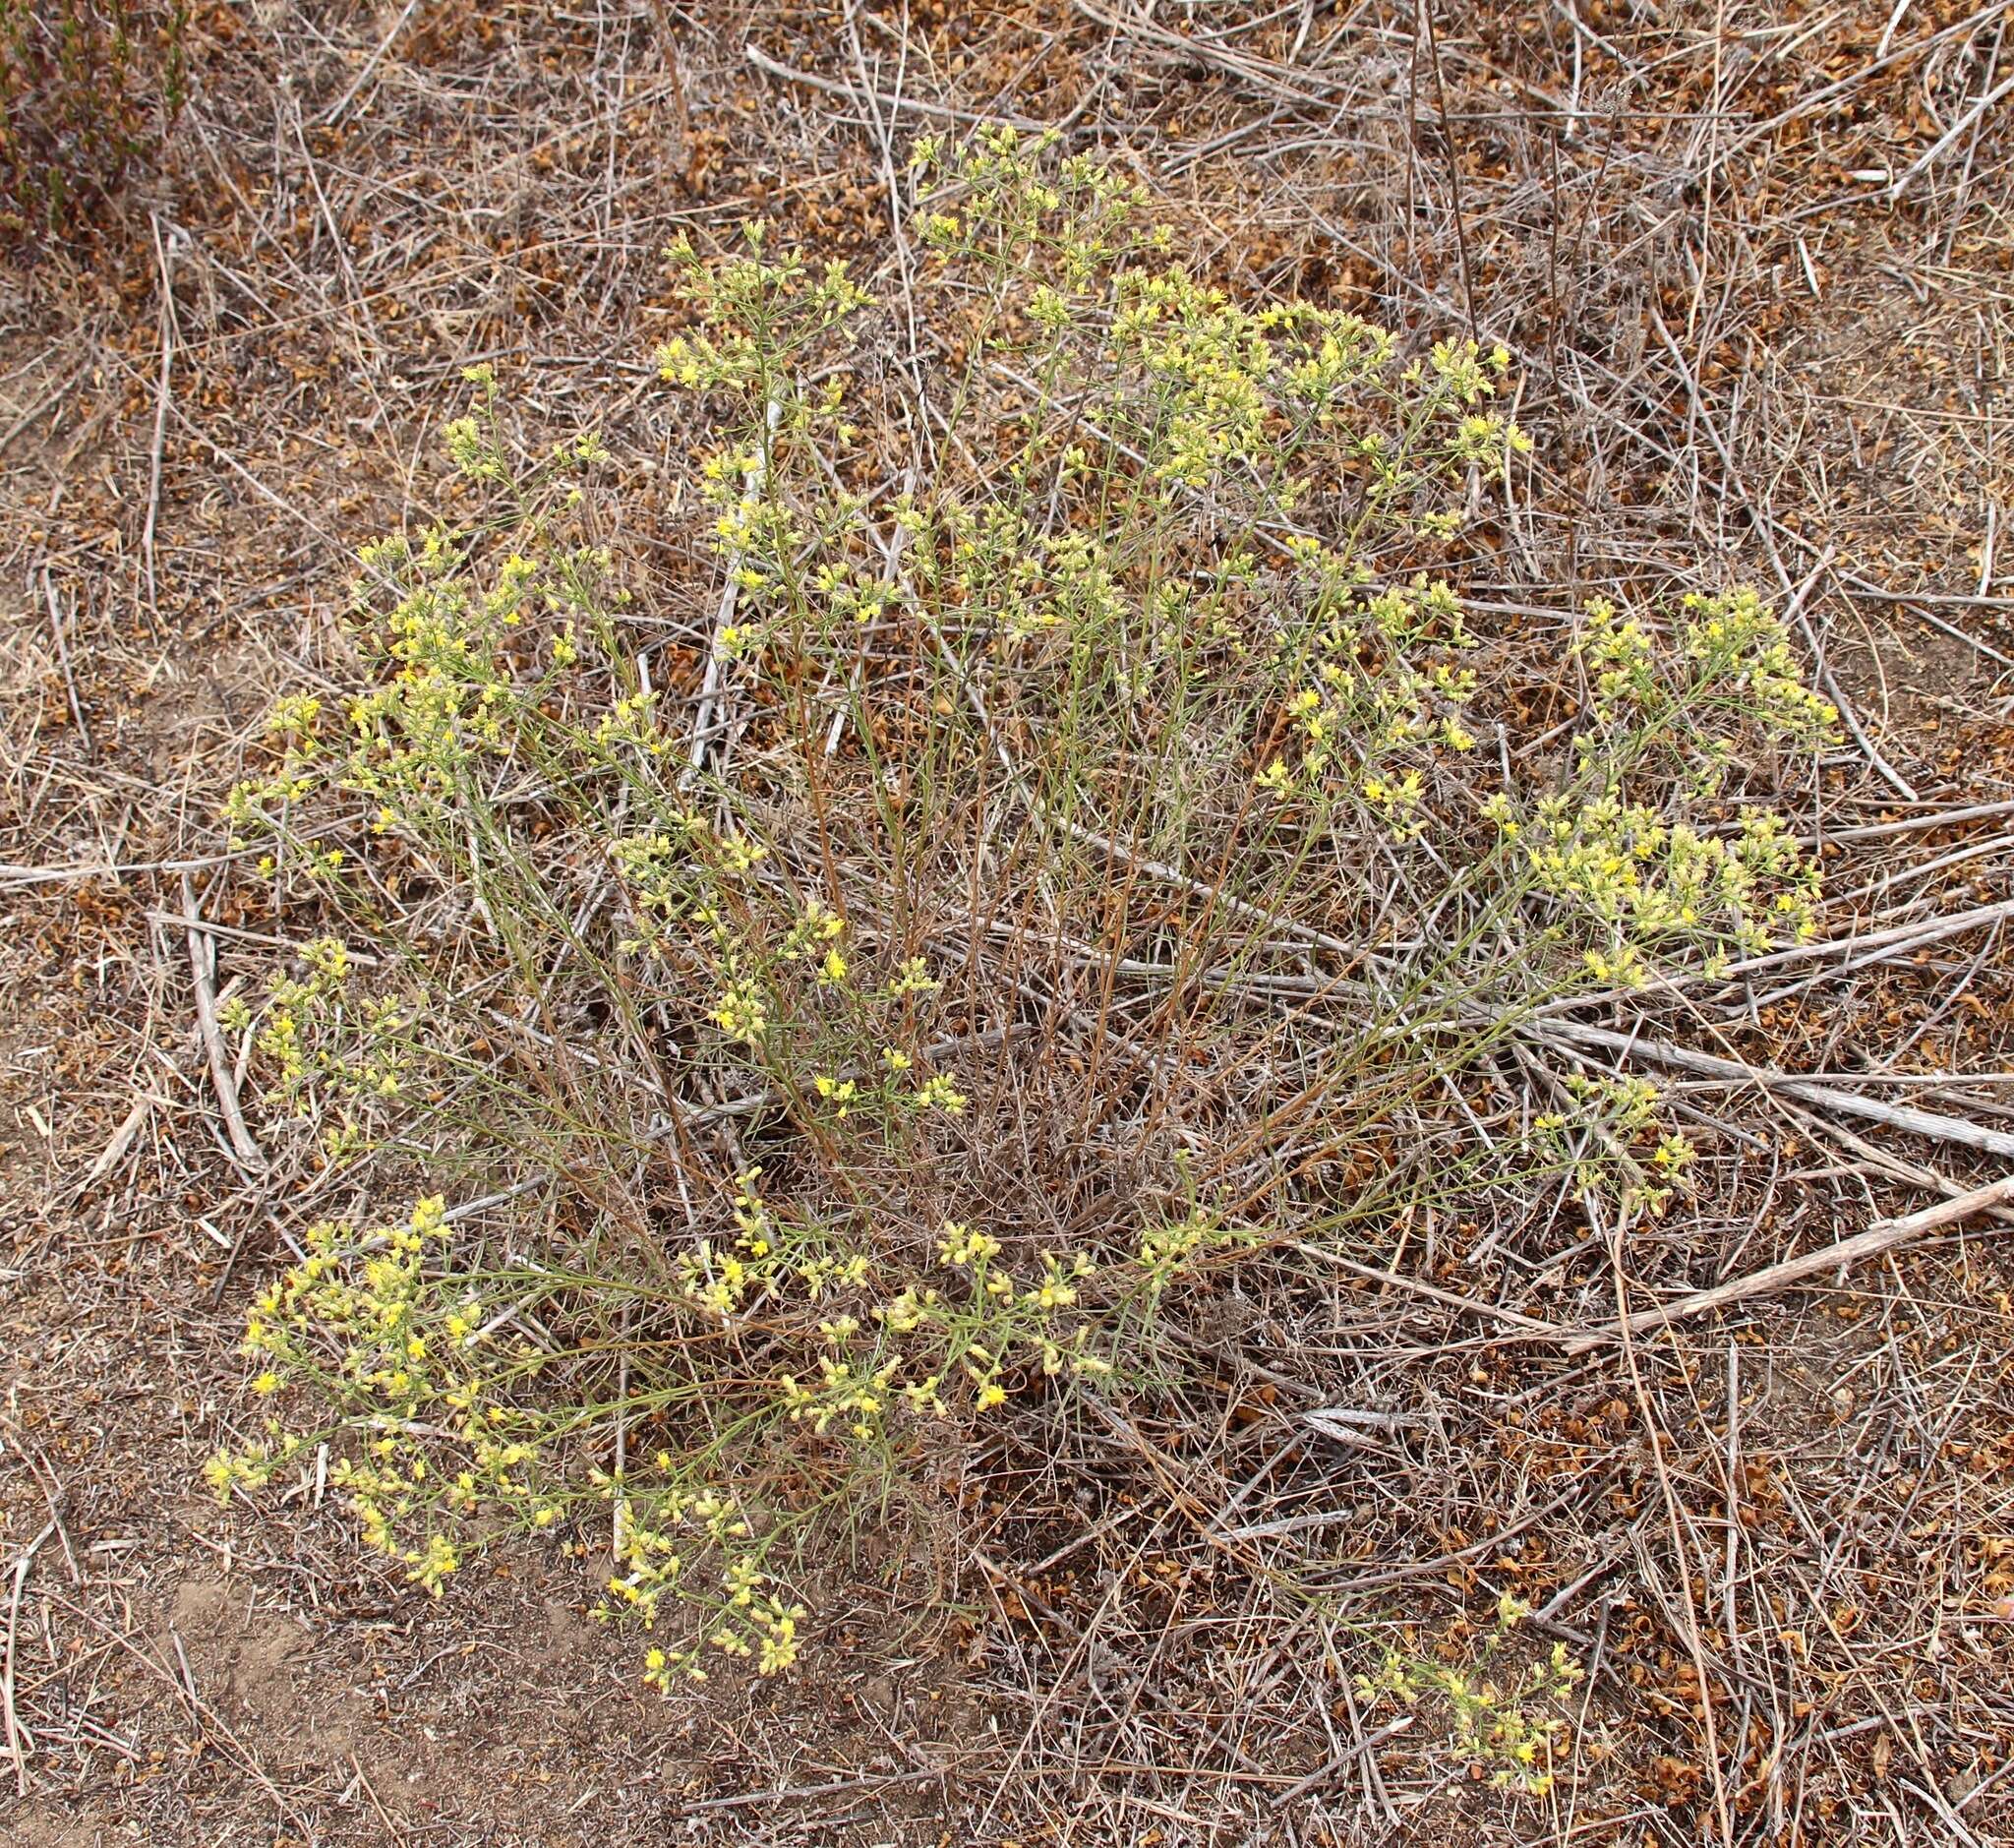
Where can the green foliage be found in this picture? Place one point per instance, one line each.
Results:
(87, 87)
(1100, 680)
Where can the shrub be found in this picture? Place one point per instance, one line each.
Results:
(87, 87)
(842, 1027)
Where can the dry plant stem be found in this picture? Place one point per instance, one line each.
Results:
(16, 1731)
(1915, 824)
(19, 876)
(63, 659)
(1895, 941)
(877, 1780)
(1454, 161)
(937, 111)
(715, 653)
(54, 1495)
(1885, 1235)
(1931, 155)
(250, 1159)
(122, 1140)
(621, 1437)
(1349, 1755)
(370, 1791)
(1468, 1305)
(1932, 931)
(1654, 1433)
(1825, 1097)
(1884, 1162)
(161, 418)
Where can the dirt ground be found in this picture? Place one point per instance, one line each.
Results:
(1755, 264)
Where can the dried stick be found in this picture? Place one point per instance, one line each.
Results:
(1915, 824)
(1825, 1097)
(1469, 1305)
(160, 420)
(941, 112)
(1454, 162)
(715, 653)
(1930, 156)
(245, 1151)
(63, 659)
(16, 1731)
(1883, 1235)
(1897, 940)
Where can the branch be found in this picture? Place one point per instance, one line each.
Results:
(1883, 1235)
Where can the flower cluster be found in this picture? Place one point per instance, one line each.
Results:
(429, 1381)
(1382, 696)
(1741, 655)
(426, 1373)
(1727, 672)
(1649, 886)
(332, 1054)
(1611, 1141)
(753, 316)
(1511, 1724)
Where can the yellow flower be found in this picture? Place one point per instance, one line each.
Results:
(941, 1094)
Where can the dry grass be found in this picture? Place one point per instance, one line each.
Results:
(1781, 1538)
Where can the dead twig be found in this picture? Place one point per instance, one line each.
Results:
(160, 420)
(937, 111)
(1827, 1096)
(245, 1151)
(17, 1733)
(724, 617)
(1885, 1235)
(63, 659)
